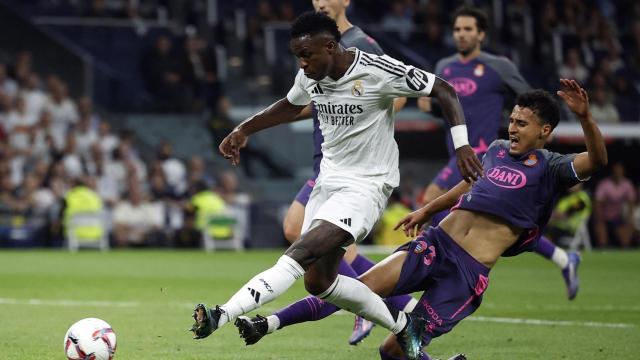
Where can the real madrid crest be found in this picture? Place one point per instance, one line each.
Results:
(358, 88)
(479, 70)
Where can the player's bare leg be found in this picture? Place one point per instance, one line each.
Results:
(292, 224)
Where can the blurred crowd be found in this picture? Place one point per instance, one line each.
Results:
(51, 144)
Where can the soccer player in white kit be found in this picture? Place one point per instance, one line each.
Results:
(353, 92)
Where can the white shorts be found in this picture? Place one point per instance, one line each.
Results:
(353, 204)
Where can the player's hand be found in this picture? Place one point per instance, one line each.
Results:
(468, 163)
(231, 145)
(575, 97)
(412, 223)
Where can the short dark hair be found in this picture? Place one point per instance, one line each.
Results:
(474, 12)
(312, 23)
(542, 104)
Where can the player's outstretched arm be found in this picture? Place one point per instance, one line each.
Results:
(470, 166)
(412, 223)
(595, 157)
(280, 112)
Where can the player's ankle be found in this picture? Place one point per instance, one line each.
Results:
(273, 323)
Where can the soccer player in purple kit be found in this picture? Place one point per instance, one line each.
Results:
(482, 80)
(353, 264)
(353, 92)
(501, 214)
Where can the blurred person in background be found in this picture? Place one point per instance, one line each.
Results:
(106, 185)
(35, 99)
(162, 78)
(82, 199)
(7, 84)
(137, 221)
(64, 113)
(18, 124)
(398, 20)
(106, 139)
(571, 211)
(188, 236)
(198, 69)
(385, 235)
(228, 188)
(636, 219)
(615, 198)
(175, 172)
(602, 107)
(221, 125)
(208, 206)
(572, 67)
(196, 171)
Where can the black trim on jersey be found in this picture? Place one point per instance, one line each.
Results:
(355, 62)
(385, 69)
(398, 66)
(382, 64)
(366, 59)
(390, 65)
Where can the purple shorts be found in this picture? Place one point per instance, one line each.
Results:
(305, 191)
(452, 280)
(450, 175)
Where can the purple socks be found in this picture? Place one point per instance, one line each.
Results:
(545, 247)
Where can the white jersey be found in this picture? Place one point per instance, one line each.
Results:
(356, 113)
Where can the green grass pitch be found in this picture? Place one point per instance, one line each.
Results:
(147, 296)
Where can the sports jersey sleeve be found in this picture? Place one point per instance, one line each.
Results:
(403, 80)
(494, 144)
(562, 171)
(298, 95)
(510, 75)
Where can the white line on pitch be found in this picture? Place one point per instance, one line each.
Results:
(547, 322)
(62, 302)
(568, 307)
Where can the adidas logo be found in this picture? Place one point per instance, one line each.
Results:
(255, 294)
(317, 90)
(346, 221)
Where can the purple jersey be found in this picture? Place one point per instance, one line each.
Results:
(481, 85)
(520, 190)
(353, 37)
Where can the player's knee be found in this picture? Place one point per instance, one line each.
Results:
(316, 285)
(291, 232)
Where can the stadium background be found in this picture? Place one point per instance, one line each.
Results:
(130, 97)
(151, 68)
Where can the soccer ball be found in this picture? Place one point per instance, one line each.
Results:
(90, 339)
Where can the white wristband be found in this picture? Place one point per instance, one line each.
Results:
(459, 136)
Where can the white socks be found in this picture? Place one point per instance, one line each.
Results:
(263, 288)
(352, 295)
(410, 305)
(273, 323)
(560, 257)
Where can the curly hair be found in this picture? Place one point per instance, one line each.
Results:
(312, 23)
(542, 104)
